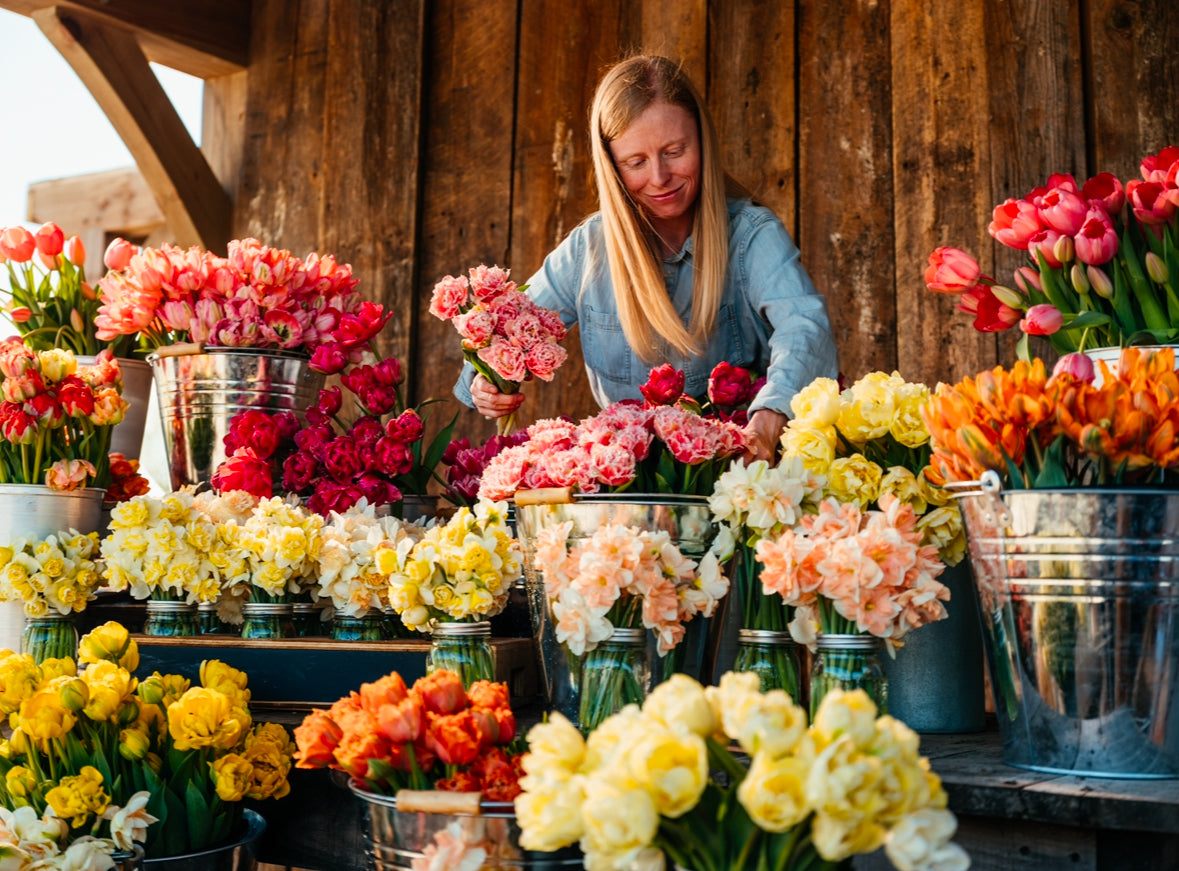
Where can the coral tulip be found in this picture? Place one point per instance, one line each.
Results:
(1042, 320)
(951, 270)
(1013, 223)
(1063, 211)
(118, 254)
(49, 239)
(1076, 365)
(17, 244)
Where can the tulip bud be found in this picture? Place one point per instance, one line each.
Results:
(154, 762)
(76, 320)
(75, 251)
(151, 690)
(1102, 286)
(49, 240)
(128, 712)
(1080, 281)
(74, 695)
(1042, 320)
(1027, 278)
(20, 781)
(118, 254)
(1008, 296)
(88, 292)
(1156, 268)
(1078, 365)
(20, 314)
(1064, 250)
(134, 744)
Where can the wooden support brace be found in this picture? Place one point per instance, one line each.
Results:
(114, 69)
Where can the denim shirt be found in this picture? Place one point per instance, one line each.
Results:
(771, 318)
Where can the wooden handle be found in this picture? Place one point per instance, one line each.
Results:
(183, 349)
(544, 496)
(437, 801)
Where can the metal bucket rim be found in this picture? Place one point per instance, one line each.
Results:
(223, 351)
(641, 498)
(45, 490)
(255, 827)
(1081, 491)
(490, 809)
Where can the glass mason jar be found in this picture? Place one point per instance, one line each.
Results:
(207, 620)
(263, 621)
(305, 620)
(849, 662)
(50, 636)
(614, 674)
(368, 625)
(464, 648)
(394, 628)
(772, 656)
(167, 619)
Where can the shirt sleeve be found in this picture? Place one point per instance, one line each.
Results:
(553, 286)
(802, 347)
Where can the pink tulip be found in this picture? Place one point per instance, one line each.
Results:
(1063, 211)
(1156, 167)
(1042, 320)
(1105, 191)
(1097, 242)
(1013, 222)
(951, 270)
(1044, 243)
(49, 239)
(1076, 365)
(74, 251)
(17, 244)
(1028, 279)
(118, 254)
(1152, 203)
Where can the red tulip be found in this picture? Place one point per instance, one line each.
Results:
(1105, 191)
(49, 239)
(990, 315)
(1151, 202)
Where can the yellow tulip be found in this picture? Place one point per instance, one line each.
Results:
(110, 642)
(216, 675)
(206, 718)
(43, 718)
(134, 744)
(232, 777)
(773, 792)
(20, 781)
(78, 797)
(19, 679)
(672, 768)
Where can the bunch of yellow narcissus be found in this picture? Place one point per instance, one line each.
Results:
(86, 736)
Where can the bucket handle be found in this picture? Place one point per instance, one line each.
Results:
(988, 482)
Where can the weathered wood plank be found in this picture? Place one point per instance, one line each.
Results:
(751, 94)
(116, 200)
(372, 135)
(111, 65)
(939, 125)
(678, 29)
(465, 214)
(1133, 71)
(846, 232)
(223, 128)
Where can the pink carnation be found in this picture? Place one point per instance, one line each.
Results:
(449, 299)
(544, 358)
(505, 359)
(476, 327)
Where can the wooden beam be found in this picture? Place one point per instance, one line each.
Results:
(116, 72)
(116, 201)
(204, 38)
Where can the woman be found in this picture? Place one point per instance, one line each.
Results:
(670, 270)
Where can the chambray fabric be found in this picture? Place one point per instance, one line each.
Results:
(771, 318)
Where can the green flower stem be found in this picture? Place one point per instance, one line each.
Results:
(612, 676)
(1139, 283)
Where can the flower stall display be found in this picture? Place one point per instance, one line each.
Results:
(56, 416)
(749, 503)
(366, 444)
(54, 578)
(255, 297)
(666, 783)
(450, 580)
(606, 591)
(1101, 261)
(506, 337)
(160, 760)
(347, 577)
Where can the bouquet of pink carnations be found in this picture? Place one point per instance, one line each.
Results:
(334, 461)
(620, 578)
(506, 336)
(256, 297)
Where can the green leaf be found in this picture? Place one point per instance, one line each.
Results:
(1052, 473)
(1021, 349)
(1085, 320)
(200, 821)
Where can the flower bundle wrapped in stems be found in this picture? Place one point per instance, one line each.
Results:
(255, 297)
(1061, 430)
(161, 760)
(433, 735)
(506, 337)
(871, 439)
(1101, 263)
(638, 792)
(58, 574)
(620, 577)
(51, 303)
(363, 445)
(56, 417)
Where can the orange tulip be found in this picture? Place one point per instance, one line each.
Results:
(317, 739)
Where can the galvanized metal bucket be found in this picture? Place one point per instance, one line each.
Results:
(395, 838)
(200, 393)
(1078, 591)
(240, 855)
(127, 436)
(688, 521)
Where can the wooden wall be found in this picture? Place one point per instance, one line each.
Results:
(416, 138)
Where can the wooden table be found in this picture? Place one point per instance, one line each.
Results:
(1009, 819)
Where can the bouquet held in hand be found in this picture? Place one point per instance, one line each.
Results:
(506, 337)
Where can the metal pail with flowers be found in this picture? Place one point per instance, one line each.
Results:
(688, 522)
(200, 390)
(1078, 591)
(396, 837)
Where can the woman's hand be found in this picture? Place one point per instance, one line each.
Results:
(763, 432)
(489, 402)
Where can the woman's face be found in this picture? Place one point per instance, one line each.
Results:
(658, 159)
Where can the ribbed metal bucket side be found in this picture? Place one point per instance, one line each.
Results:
(1079, 598)
(395, 838)
(199, 394)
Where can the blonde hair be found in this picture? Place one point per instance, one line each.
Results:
(645, 310)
